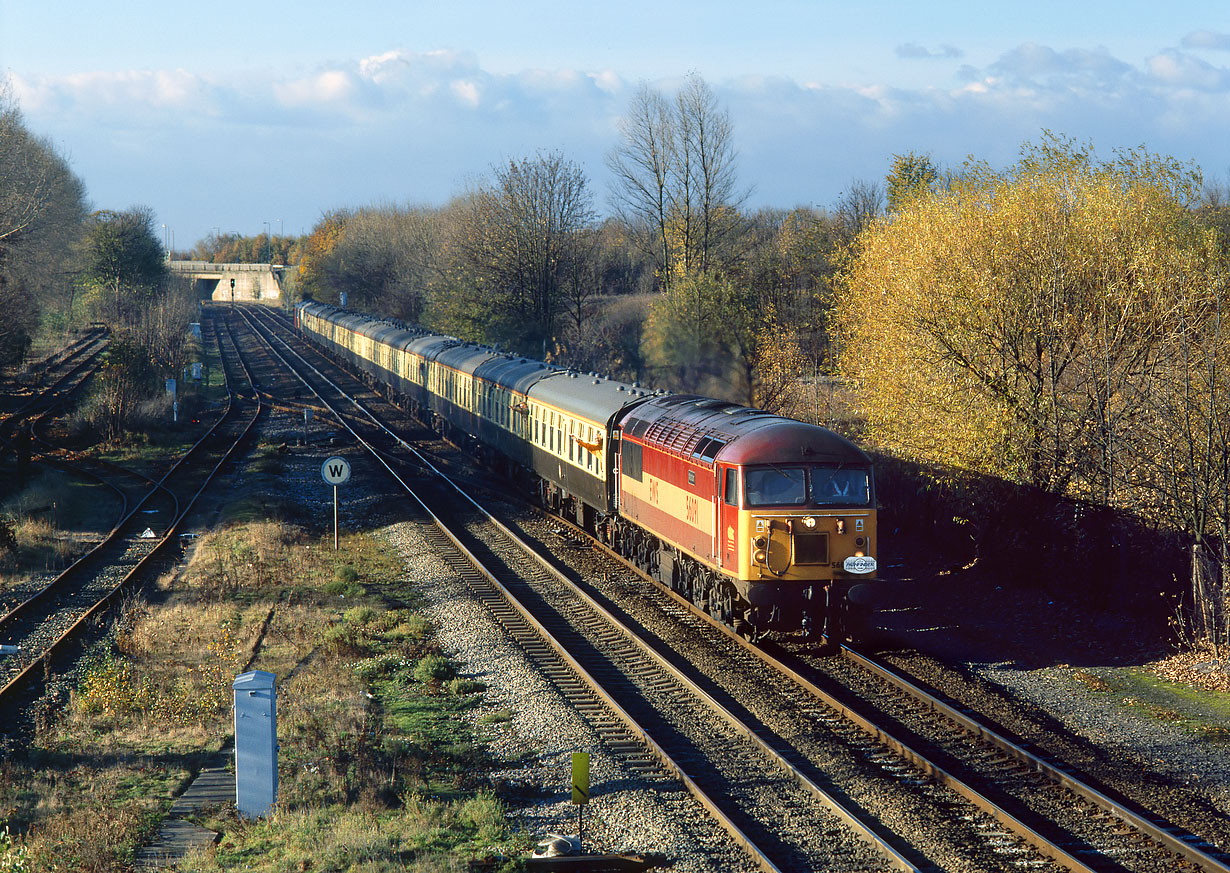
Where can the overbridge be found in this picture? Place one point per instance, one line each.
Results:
(229, 282)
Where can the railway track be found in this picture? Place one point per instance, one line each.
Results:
(717, 766)
(53, 382)
(999, 804)
(50, 621)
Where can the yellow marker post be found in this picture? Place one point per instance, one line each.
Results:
(580, 777)
(580, 788)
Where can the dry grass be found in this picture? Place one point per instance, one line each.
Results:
(374, 766)
(42, 515)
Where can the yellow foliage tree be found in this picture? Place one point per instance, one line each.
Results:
(312, 278)
(1013, 322)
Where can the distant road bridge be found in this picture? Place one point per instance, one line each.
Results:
(227, 282)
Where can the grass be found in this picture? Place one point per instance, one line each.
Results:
(42, 513)
(1200, 711)
(377, 769)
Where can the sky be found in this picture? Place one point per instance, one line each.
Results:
(250, 117)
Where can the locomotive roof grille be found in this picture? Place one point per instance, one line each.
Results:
(708, 448)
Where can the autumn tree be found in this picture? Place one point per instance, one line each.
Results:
(234, 248)
(312, 276)
(675, 180)
(385, 260)
(1188, 433)
(517, 245)
(124, 262)
(911, 175)
(1012, 321)
(687, 340)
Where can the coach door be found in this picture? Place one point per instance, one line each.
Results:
(727, 532)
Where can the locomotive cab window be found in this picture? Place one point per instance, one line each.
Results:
(802, 486)
(776, 486)
(731, 491)
(832, 486)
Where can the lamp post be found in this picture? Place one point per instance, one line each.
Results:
(268, 241)
(166, 240)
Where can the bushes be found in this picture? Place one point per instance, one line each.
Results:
(434, 670)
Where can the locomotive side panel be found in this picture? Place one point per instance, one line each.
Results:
(669, 496)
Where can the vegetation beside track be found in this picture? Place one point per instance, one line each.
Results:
(377, 767)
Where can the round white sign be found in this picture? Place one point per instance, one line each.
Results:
(335, 470)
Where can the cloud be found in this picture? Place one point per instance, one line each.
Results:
(413, 126)
(1037, 63)
(157, 89)
(912, 50)
(331, 87)
(1207, 39)
(1180, 70)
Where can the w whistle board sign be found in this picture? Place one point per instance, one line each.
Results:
(335, 470)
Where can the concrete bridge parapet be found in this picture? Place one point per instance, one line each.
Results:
(226, 282)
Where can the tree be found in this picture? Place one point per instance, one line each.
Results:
(1014, 321)
(687, 341)
(911, 175)
(122, 383)
(858, 206)
(384, 259)
(311, 276)
(42, 212)
(675, 180)
(125, 263)
(516, 246)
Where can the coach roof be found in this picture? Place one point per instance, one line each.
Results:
(586, 395)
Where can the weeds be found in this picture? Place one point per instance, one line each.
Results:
(362, 724)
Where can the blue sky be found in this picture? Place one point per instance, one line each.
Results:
(231, 115)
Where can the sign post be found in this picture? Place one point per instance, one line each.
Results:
(335, 471)
(580, 789)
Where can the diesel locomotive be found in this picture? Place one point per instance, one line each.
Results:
(766, 523)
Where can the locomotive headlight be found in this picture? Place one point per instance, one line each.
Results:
(760, 544)
(809, 522)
